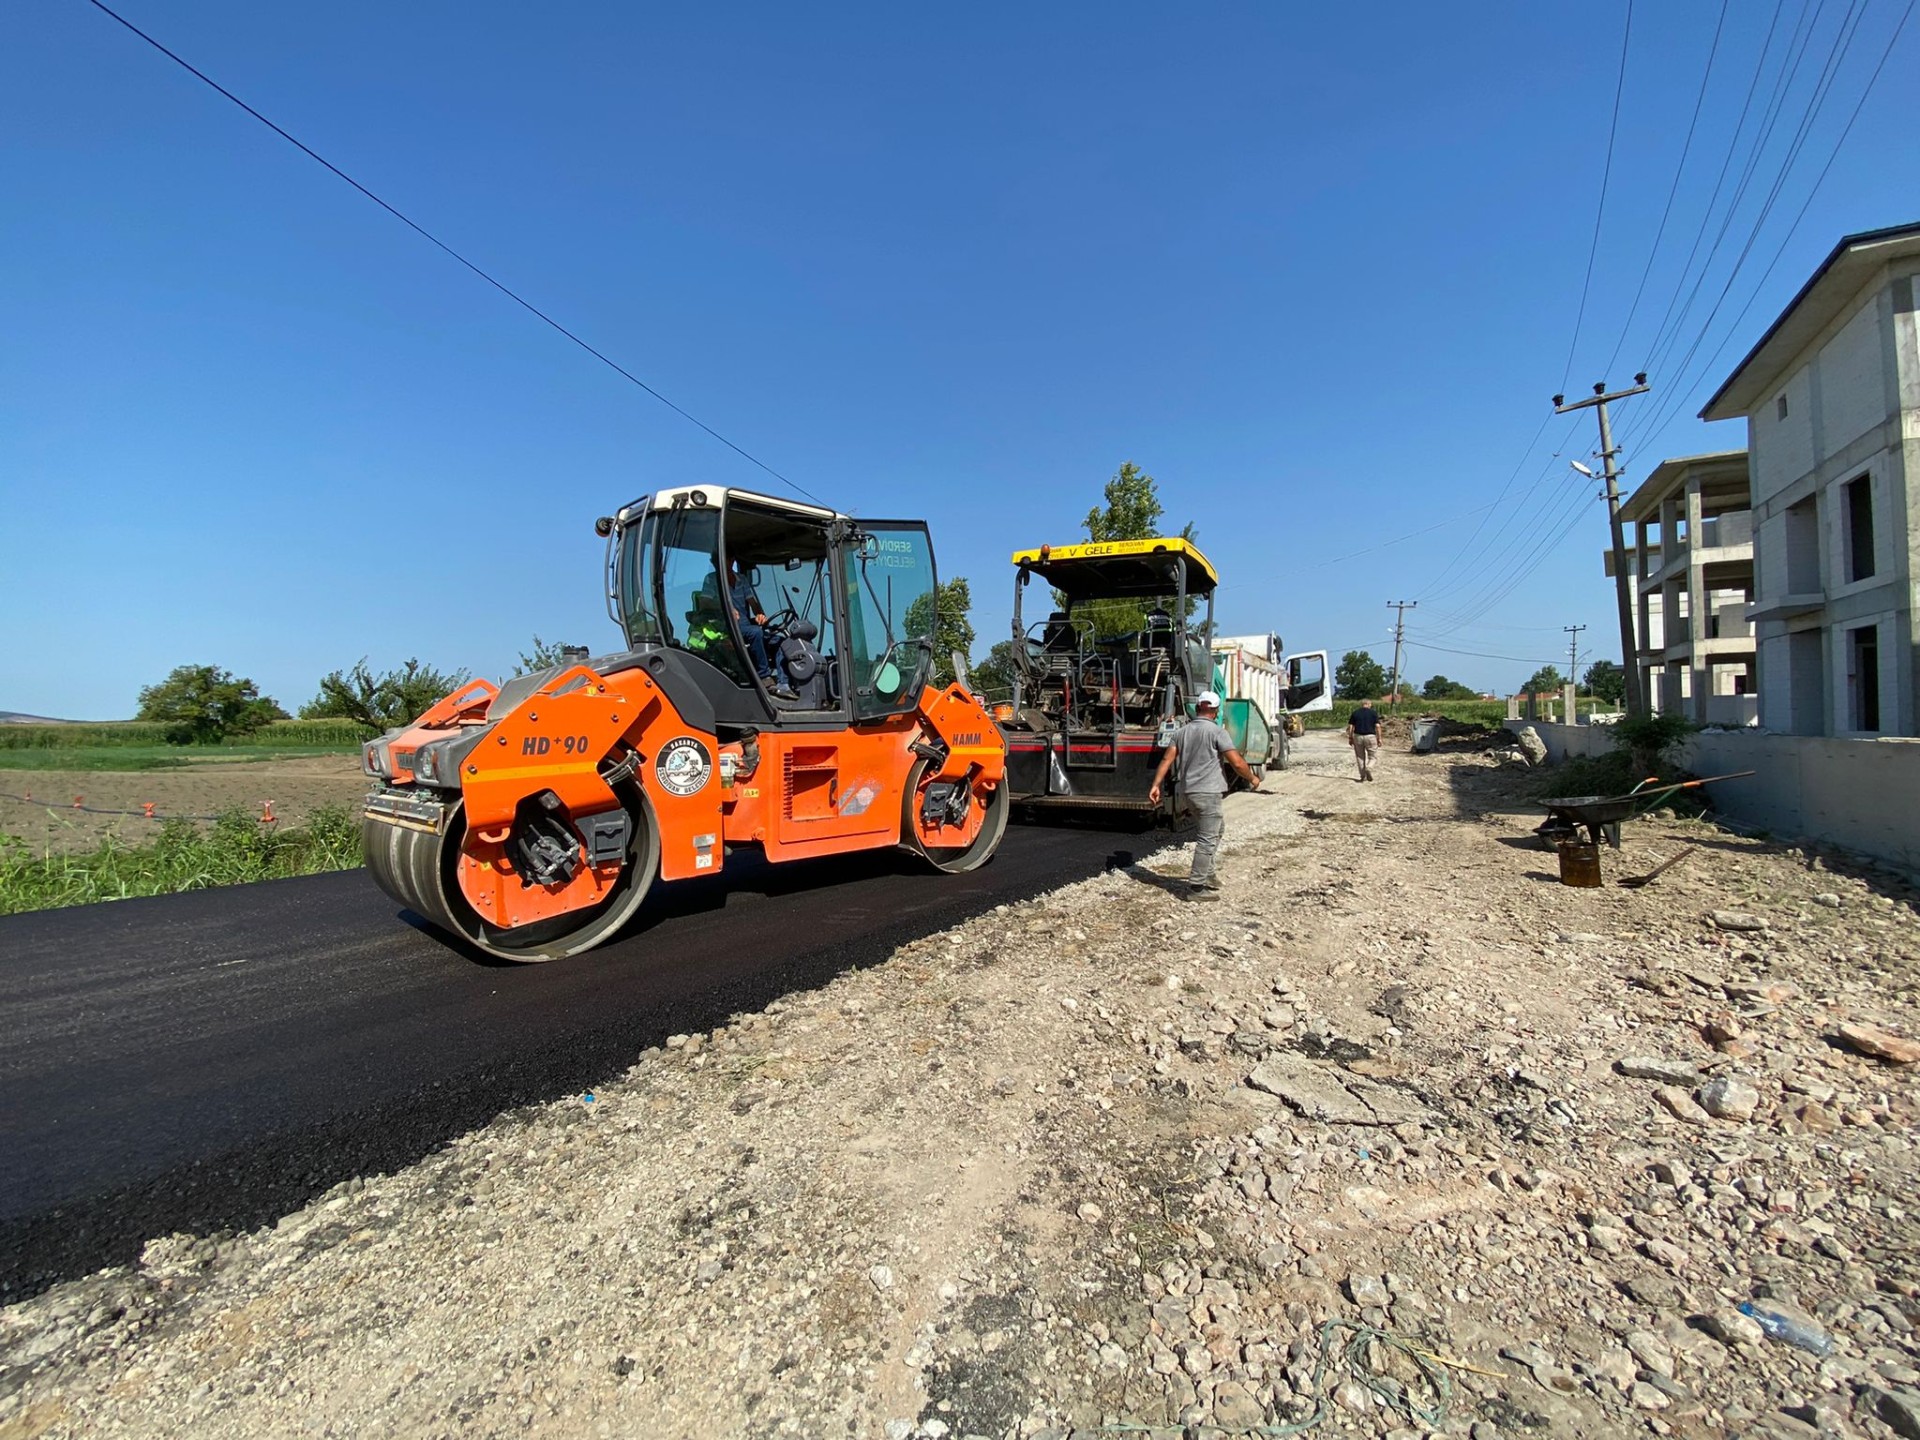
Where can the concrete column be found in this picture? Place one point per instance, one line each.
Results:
(1513, 707)
(1570, 697)
(1697, 618)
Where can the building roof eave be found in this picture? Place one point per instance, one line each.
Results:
(1836, 280)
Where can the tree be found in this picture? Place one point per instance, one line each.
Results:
(203, 705)
(1441, 688)
(949, 624)
(1544, 681)
(544, 656)
(1132, 512)
(993, 676)
(1133, 508)
(381, 701)
(1606, 681)
(1359, 676)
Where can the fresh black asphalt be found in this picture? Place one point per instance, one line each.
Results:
(213, 1060)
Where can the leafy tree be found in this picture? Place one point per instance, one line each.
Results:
(203, 705)
(1547, 680)
(993, 676)
(383, 701)
(1605, 680)
(1359, 676)
(949, 624)
(1131, 511)
(544, 656)
(1441, 688)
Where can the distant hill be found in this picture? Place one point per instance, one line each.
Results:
(14, 717)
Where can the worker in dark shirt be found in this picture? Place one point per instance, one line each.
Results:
(1363, 734)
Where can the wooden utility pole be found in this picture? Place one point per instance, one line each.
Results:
(1629, 649)
(1400, 607)
(1573, 652)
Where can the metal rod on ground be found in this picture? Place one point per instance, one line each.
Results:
(1629, 651)
(1400, 607)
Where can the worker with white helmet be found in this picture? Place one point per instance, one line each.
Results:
(1203, 751)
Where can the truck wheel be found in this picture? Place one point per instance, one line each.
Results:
(1282, 757)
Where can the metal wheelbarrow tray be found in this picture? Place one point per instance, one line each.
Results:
(1602, 815)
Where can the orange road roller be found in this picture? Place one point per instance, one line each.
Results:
(774, 692)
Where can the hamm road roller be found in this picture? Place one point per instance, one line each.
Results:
(773, 693)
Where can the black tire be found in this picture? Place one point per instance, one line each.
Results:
(1282, 756)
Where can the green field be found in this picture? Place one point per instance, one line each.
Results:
(140, 745)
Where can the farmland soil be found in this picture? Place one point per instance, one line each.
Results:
(40, 806)
(1398, 1135)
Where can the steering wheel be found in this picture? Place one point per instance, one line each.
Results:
(781, 619)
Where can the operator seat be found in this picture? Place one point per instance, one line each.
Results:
(806, 670)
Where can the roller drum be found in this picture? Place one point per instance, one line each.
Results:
(417, 867)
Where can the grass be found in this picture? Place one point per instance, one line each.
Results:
(235, 850)
(154, 757)
(312, 736)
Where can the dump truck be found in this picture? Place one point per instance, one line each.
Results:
(773, 694)
(1264, 691)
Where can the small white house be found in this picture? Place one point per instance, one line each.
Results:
(1831, 398)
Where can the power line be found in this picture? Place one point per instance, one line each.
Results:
(1606, 174)
(1785, 240)
(1415, 643)
(428, 235)
(1410, 535)
(1493, 554)
(1706, 215)
(1679, 393)
(1673, 190)
(1823, 84)
(1790, 61)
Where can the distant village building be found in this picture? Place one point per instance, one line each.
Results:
(1831, 398)
(1690, 573)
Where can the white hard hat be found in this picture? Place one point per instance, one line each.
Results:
(1207, 700)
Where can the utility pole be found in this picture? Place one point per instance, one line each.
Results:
(1629, 649)
(1400, 608)
(1573, 651)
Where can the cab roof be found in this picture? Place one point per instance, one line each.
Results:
(713, 496)
(1120, 569)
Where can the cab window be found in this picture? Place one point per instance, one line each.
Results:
(693, 610)
(890, 592)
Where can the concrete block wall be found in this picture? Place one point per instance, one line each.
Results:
(1860, 794)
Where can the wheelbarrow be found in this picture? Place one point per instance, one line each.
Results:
(1603, 814)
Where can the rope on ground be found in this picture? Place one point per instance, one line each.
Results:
(147, 810)
(1362, 1357)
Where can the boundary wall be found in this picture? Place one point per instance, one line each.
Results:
(1863, 795)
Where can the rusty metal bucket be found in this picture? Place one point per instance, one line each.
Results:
(1579, 863)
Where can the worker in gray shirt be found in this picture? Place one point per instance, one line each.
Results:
(1202, 750)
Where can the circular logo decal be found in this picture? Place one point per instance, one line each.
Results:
(683, 765)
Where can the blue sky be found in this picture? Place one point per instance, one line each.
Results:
(1317, 269)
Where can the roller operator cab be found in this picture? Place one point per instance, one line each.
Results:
(773, 692)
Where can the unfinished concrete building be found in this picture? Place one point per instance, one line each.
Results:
(1691, 574)
(1831, 401)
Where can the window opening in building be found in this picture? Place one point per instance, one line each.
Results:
(1859, 529)
(1803, 547)
(1863, 678)
(1780, 408)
